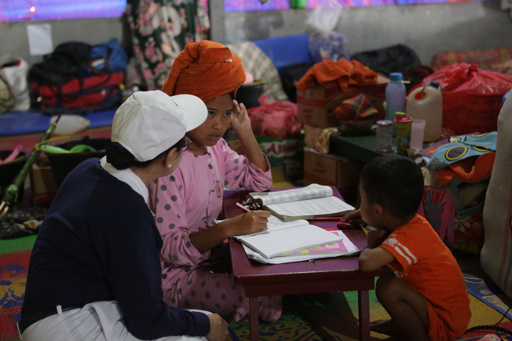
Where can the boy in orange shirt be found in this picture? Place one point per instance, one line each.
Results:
(424, 292)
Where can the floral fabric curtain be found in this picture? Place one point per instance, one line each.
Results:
(159, 30)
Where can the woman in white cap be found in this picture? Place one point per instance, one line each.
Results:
(95, 272)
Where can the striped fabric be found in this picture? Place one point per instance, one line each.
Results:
(255, 61)
(496, 256)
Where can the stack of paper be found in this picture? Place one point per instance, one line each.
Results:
(296, 239)
(344, 247)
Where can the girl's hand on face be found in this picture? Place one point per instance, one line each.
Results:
(240, 121)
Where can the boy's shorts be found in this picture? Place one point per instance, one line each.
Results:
(438, 328)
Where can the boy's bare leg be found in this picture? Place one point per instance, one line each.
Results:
(387, 327)
(406, 306)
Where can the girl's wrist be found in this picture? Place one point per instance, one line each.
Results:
(242, 133)
(224, 229)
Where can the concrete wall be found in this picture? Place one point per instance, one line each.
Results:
(14, 38)
(425, 28)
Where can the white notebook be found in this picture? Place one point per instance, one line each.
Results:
(349, 250)
(286, 237)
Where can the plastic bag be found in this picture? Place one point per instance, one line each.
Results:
(69, 124)
(106, 58)
(278, 119)
(324, 17)
(472, 98)
(14, 70)
(324, 43)
(6, 96)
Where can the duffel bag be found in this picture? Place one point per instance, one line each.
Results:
(89, 93)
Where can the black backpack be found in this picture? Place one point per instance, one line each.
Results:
(396, 58)
(290, 75)
(65, 63)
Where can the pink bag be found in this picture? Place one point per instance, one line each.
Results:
(472, 98)
(278, 119)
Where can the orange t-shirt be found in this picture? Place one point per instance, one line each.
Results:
(426, 264)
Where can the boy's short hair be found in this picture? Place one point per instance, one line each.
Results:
(394, 182)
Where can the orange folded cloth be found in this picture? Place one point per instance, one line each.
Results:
(471, 170)
(340, 74)
(205, 69)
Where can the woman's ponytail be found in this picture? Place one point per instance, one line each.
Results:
(119, 156)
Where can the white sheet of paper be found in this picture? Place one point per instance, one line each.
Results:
(40, 39)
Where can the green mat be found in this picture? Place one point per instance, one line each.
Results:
(16, 245)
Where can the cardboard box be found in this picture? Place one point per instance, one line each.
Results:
(43, 184)
(315, 105)
(332, 170)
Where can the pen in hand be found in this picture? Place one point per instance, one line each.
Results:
(243, 207)
(248, 210)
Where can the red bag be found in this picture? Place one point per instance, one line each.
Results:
(472, 98)
(278, 119)
(95, 92)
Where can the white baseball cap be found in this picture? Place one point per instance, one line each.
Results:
(150, 122)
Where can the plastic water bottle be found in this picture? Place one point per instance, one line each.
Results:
(395, 96)
(426, 103)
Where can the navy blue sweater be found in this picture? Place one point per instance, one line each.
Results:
(99, 242)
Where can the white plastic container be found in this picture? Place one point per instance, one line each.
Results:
(426, 103)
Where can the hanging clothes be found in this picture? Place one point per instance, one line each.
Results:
(159, 31)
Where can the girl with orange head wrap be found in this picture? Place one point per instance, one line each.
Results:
(187, 203)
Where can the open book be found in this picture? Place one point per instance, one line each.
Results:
(344, 247)
(301, 203)
(287, 237)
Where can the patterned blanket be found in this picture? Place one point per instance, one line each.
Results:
(305, 317)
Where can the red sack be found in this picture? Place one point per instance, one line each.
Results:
(278, 119)
(95, 92)
(472, 98)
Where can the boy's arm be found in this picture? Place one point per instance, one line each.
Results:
(375, 257)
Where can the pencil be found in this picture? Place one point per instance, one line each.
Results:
(243, 207)
(326, 219)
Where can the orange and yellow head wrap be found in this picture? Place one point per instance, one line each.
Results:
(205, 69)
